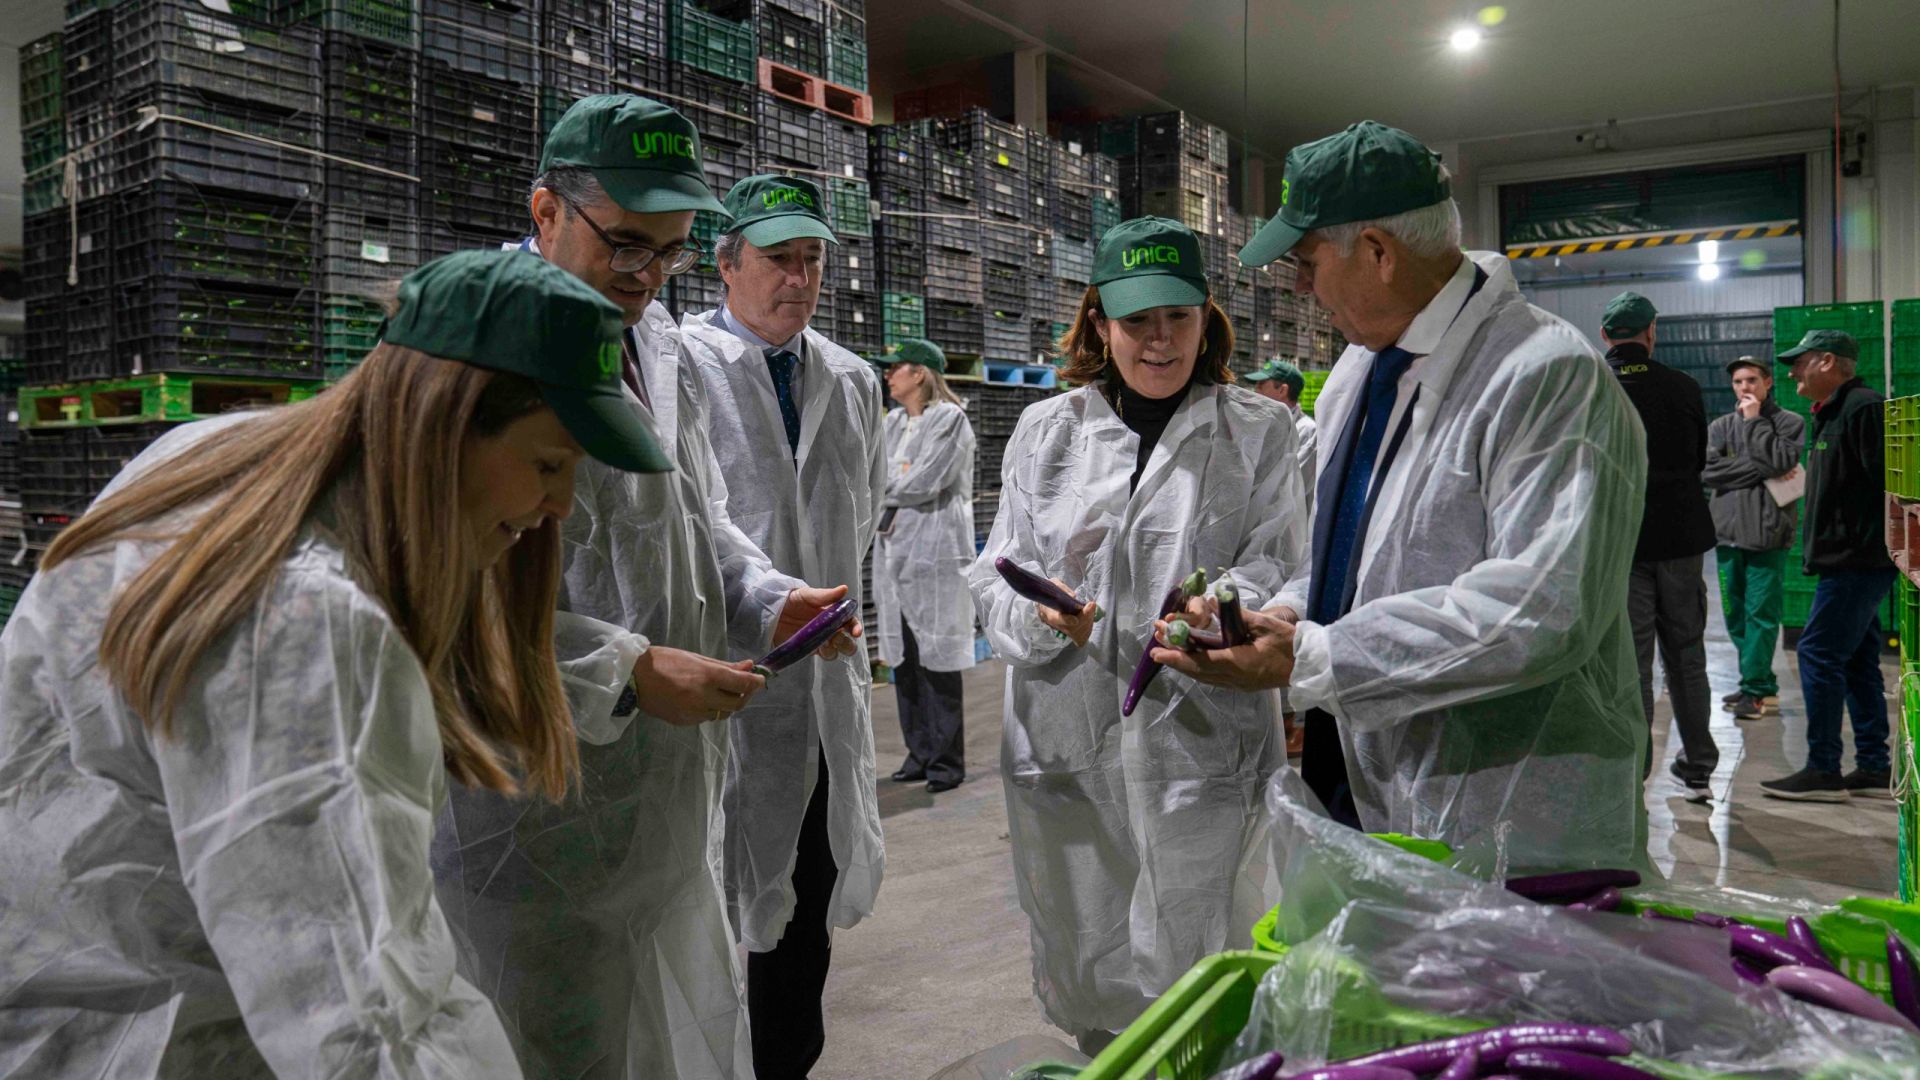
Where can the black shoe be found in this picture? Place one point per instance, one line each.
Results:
(935, 787)
(1807, 785)
(1870, 785)
(1733, 697)
(1747, 708)
(909, 774)
(1686, 776)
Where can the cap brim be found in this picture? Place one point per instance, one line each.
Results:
(608, 428)
(774, 231)
(1274, 239)
(1736, 365)
(1790, 355)
(658, 191)
(1122, 297)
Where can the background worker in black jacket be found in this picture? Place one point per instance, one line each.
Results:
(1840, 647)
(1667, 594)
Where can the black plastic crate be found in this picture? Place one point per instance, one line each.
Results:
(791, 136)
(45, 242)
(1072, 214)
(1005, 337)
(591, 12)
(950, 174)
(722, 110)
(790, 39)
(846, 147)
(439, 238)
(986, 141)
(53, 471)
(375, 191)
(90, 335)
(897, 150)
(197, 154)
(1178, 134)
(847, 20)
(852, 266)
(903, 266)
(44, 351)
(475, 189)
(956, 328)
(481, 113)
(86, 79)
(694, 292)
(392, 22)
(952, 227)
(1003, 289)
(726, 165)
(371, 87)
(41, 69)
(953, 276)
(1002, 194)
(173, 325)
(1005, 243)
(809, 10)
(640, 50)
(898, 194)
(111, 447)
(856, 317)
(364, 251)
(491, 38)
(174, 229)
(579, 55)
(186, 43)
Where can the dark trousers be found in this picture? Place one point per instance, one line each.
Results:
(1667, 605)
(784, 986)
(1323, 765)
(1840, 669)
(932, 715)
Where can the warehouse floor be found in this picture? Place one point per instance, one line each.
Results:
(942, 969)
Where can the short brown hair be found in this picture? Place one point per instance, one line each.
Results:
(1088, 361)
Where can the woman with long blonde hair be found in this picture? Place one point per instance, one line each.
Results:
(231, 700)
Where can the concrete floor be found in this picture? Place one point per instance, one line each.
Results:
(942, 969)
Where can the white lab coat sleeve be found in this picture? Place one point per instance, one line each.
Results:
(1564, 458)
(1012, 622)
(1275, 546)
(1312, 681)
(873, 416)
(596, 664)
(940, 455)
(300, 780)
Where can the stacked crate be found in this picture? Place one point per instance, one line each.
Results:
(898, 158)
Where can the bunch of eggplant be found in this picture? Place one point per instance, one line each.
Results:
(1183, 635)
(1572, 1051)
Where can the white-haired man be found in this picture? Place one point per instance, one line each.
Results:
(1461, 631)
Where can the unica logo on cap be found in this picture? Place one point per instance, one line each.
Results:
(1286, 190)
(1151, 255)
(610, 360)
(652, 144)
(779, 197)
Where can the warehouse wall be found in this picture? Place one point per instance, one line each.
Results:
(1581, 305)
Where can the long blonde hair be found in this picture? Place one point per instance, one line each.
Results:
(937, 389)
(388, 440)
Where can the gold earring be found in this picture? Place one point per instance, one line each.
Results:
(1203, 346)
(1106, 352)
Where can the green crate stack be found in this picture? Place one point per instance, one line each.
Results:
(43, 129)
(1906, 601)
(849, 207)
(847, 61)
(1311, 391)
(715, 45)
(349, 328)
(903, 315)
(1906, 346)
(1902, 426)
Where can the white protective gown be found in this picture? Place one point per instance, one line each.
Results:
(920, 566)
(1485, 675)
(816, 521)
(250, 896)
(599, 927)
(1308, 455)
(1129, 834)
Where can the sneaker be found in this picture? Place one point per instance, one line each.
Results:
(1747, 708)
(1870, 785)
(1733, 697)
(1697, 787)
(1807, 785)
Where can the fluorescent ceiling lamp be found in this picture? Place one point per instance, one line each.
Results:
(1465, 39)
(1709, 251)
(1709, 271)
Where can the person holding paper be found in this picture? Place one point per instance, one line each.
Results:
(1753, 471)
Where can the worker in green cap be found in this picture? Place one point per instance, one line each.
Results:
(1283, 382)
(920, 597)
(1666, 592)
(1844, 544)
(796, 427)
(244, 680)
(634, 934)
(1127, 800)
(1459, 639)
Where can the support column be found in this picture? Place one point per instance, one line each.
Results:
(1030, 88)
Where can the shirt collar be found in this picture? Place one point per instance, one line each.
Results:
(739, 329)
(1423, 335)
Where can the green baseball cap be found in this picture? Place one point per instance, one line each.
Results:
(1837, 342)
(1627, 315)
(1275, 370)
(645, 155)
(917, 351)
(1149, 262)
(1366, 172)
(770, 210)
(514, 311)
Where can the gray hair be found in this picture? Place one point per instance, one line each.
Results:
(728, 249)
(572, 183)
(1429, 232)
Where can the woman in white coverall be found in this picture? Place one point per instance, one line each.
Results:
(920, 563)
(231, 700)
(1129, 833)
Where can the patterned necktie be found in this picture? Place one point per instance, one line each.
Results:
(780, 364)
(1383, 388)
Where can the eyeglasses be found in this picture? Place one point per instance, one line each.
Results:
(633, 258)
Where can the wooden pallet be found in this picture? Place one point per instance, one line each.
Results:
(151, 398)
(801, 88)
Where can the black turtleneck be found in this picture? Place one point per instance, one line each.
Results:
(1146, 417)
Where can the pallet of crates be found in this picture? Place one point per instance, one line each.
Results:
(859, 310)
(723, 111)
(639, 52)
(791, 135)
(716, 36)
(43, 128)
(1000, 158)
(794, 33)
(479, 154)
(388, 22)
(846, 47)
(897, 164)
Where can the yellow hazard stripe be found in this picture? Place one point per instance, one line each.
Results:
(1694, 236)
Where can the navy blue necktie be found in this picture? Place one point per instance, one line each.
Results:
(780, 364)
(1335, 566)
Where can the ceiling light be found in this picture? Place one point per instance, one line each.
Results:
(1493, 15)
(1465, 39)
(1709, 251)
(1709, 271)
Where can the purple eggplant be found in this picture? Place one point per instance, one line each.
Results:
(1834, 991)
(1654, 916)
(1464, 1067)
(1184, 636)
(808, 639)
(1264, 1067)
(1607, 899)
(1233, 621)
(1495, 1044)
(1572, 885)
(1571, 1064)
(1354, 1072)
(1904, 977)
(1146, 669)
(1801, 934)
(1718, 922)
(1039, 589)
(1749, 973)
(1767, 950)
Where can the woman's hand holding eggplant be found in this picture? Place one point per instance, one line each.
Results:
(1076, 628)
(1265, 663)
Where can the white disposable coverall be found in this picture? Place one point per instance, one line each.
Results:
(815, 520)
(1485, 675)
(249, 896)
(1129, 835)
(920, 566)
(599, 926)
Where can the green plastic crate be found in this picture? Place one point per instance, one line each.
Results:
(1906, 783)
(849, 207)
(1310, 393)
(392, 21)
(1106, 214)
(1865, 321)
(903, 316)
(349, 329)
(847, 62)
(1902, 427)
(715, 45)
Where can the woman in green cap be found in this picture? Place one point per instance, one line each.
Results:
(920, 562)
(232, 699)
(1127, 830)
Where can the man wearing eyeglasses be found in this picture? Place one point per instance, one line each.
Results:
(599, 926)
(797, 427)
